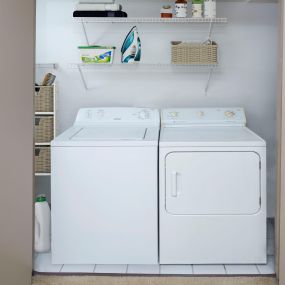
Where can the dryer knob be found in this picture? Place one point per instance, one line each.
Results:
(173, 114)
(201, 114)
(229, 114)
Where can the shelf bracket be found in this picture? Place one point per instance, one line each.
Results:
(210, 31)
(208, 81)
(82, 77)
(85, 32)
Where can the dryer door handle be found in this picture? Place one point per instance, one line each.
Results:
(174, 184)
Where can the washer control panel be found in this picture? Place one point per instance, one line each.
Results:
(90, 116)
(204, 116)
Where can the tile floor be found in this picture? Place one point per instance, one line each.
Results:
(42, 264)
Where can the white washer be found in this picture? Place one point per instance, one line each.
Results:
(212, 188)
(104, 188)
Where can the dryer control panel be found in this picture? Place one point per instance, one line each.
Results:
(118, 116)
(204, 116)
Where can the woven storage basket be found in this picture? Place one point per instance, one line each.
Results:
(194, 53)
(44, 99)
(44, 129)
(42, 159)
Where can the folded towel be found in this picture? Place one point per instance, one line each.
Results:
(98, 7)
(118, 14)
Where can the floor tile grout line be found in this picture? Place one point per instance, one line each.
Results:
(60, 270)
(257, 269)
(226, 271)
(188, 269)
(224, 268)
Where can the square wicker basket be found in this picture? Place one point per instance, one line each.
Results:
(194, 53)
(44, 97)
(44, 129)
(42, 159)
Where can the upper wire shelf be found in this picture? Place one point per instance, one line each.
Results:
(150, 20)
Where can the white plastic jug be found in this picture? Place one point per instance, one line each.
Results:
(42, 225)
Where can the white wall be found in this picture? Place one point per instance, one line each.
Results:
(247, 76)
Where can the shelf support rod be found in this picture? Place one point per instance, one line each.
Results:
(210, 31)
(85, 32)
(208, 80)
(82, 77)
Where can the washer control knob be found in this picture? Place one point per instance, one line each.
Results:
(229, 114)
(100, 113)
(89, 114)
(143, 115)
(201, 114)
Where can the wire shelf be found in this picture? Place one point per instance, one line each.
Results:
(44, 113)
(150, 20)
(43, 144)
(47, 65)
(146, 66)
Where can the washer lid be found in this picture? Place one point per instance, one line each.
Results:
(107, 136)
(209, 136)
(109, 133)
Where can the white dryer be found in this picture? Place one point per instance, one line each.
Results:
(104, 181)
(212, 188)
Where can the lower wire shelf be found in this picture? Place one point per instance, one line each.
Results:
(145, 67)
(148, 66)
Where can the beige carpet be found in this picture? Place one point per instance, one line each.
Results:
(135, 280)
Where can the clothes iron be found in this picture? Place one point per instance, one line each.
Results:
(131, 48)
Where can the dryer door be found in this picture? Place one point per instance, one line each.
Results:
(212, 183)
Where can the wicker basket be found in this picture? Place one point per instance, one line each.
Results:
(44, 129)
(194, 53)
(42, 159)
(44, 96)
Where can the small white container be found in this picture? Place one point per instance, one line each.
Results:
(97, 54)
(42, 225)
(210, 8)
(180, 10)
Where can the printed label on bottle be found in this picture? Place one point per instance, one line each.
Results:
(181, 10)
(197, 10)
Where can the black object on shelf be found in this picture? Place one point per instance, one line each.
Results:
(117, 14)
(37, 87)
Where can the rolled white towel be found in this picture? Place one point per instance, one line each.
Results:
(98, 7)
